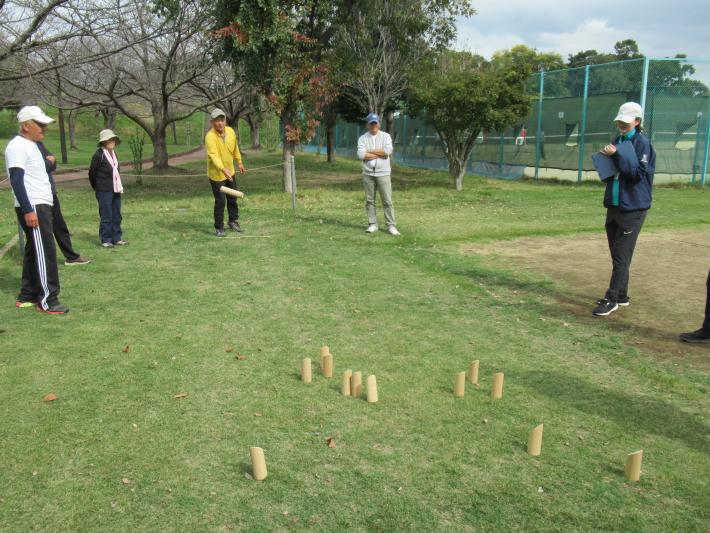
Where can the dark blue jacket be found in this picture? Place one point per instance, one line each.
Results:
(51, 167)
(635, 176)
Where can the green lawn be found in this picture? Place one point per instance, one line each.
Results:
(174, 310)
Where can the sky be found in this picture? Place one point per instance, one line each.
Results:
(662, 28)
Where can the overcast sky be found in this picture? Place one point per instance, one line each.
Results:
(661, 27)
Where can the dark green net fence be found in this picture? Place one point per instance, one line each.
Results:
(571, 117)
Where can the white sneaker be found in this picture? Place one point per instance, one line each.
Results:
(393, 231)
(372, 228)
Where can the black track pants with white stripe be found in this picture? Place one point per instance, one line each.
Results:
(40, 277)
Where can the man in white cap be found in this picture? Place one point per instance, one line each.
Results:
(627, 199)
(32, 191)
(222, 150)
(374, 149)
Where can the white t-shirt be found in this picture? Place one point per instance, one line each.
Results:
(23, 153)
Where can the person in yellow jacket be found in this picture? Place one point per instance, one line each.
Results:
(222, 151)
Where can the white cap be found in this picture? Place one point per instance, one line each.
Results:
(629, 112)
(217, 112)
(107, 135)
(32, 112)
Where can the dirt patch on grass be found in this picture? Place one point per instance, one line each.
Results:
(667, 285)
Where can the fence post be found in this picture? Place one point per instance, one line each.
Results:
(583, 125)
(644, 83)
(501, 152)
(538, 134)
(707, 146)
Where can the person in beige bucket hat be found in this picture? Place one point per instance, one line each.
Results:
(105, 179)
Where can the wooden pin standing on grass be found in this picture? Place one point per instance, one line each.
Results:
(371, 389)
(633, 466)
(306, 375)
(356, 384)
(459, 384)
(326, 365)
(345, 388)
(497, 390)
(535, 441)
(258, 463)
(473, 372)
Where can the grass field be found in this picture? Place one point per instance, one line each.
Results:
(227, 321)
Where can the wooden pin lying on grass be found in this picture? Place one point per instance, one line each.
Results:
(473, 372)
(459, 384)
(371, 389)
(535, 441)
(633, 466)
(497, 390)
(258, 463)
(306, 375)
(345, 388)
(356, 384)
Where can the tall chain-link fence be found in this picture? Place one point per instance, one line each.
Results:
(571, 117)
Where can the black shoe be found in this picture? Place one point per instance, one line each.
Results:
(220, 233)
(235, 226)
(698, 336)
(622, 302)
(55, 309)
(605, 308)
(78, 261)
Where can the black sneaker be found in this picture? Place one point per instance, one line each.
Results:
(220, 233)
(697, 336)
(621, 302)
(235, 226)
(55, 309)
(78, 261)
(605, 308)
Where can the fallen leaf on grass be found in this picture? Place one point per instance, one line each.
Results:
(229, 350)
(50, 397)
(241, 357)
(248, 475)
(125, 481)
(258, 414)
(126, 348)
(299, 288)
(114, 505)
(331, 442)
(181, 395)
(34, 473)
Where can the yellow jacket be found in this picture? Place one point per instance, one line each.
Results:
(221, 153)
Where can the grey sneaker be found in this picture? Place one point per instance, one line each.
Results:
(107, 244)
(220, 233)
(121, 243)
(393, 231)
(372, 228)
(235, 226)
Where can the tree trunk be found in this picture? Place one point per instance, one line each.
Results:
(173, 126)
(389, 123)
(457, 169)
(160, 149)
(288, 151)
(62, 136)
(254, 129)
(71, 119)
(330, 121)
(109, 115)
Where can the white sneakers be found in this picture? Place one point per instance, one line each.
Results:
(372, 228)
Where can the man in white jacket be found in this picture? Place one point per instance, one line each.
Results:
(374, 149)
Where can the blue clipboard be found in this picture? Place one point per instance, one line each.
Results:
(604, 165)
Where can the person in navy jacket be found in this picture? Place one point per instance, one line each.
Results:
(627, 199)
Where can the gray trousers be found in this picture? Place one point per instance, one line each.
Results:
(383, 185)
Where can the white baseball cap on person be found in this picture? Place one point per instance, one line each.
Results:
(629, 112)
(216, 113)
(107, 135)
(32, 112)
